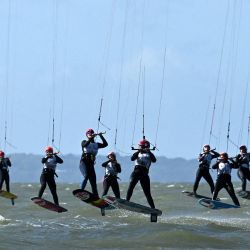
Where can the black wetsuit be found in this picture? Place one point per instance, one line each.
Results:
(203, 170)
(224, 180)
(140, 173)
(110, 178)
(4, 173)
(48, 177)
(242, 160)
(87, 162)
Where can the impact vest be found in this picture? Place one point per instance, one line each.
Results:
(207, 159)
(92, 148)
(50, 163)
(4, 164)
(244, 160)
(111, 169)
(224, 168)
(143, 160)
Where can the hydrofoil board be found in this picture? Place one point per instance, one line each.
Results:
(244, 194)
(197, 196)
(215, 204)
(8, 195)
(135, 207)
(91, 199)
(48, 205)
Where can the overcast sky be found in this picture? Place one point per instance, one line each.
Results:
(61, 57)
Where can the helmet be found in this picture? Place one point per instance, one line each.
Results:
(224, 155)
(111, 154)
(49, 149)
(243, 148)
(206, 146)
(144, 143)
(90, 131)
(2, 153)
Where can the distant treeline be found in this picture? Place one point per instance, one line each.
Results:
(27, 168)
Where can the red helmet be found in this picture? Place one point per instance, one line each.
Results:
(2, 154)
(144, 143)
(90, 131)
(49, 149)
(206, 146)
(224, 155)
(111, 154)
(243, 148)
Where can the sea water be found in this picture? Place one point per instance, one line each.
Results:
(184, 223)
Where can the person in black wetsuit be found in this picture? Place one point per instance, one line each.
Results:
(143, 159)
(4, 171)
(224, 168)
(112, 168)
(205, 160)
(242, 160)
(87, 162)
(48, 174)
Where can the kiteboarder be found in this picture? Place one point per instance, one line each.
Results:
(143, 158)
(224, 167)
(112, 168)
(205, 160)
(4, 171)
(48, 174)
(242, 160)
(89, 151)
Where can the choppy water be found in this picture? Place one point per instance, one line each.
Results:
(183, 225)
